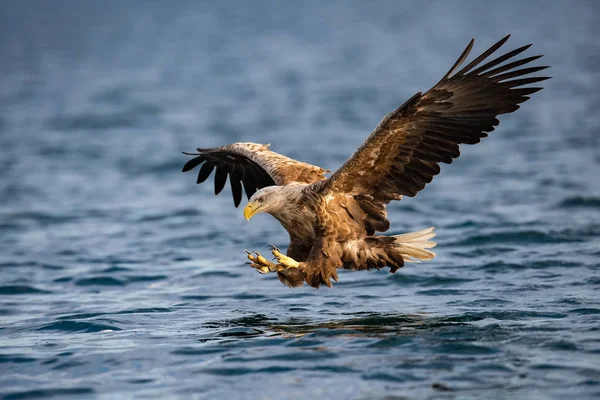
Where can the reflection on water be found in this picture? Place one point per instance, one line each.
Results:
(371, 325)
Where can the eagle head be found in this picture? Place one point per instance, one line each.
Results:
(264, 200)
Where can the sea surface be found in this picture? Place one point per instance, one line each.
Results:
(122, 278)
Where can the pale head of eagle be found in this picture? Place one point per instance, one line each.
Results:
(274, 200)
(286, 205)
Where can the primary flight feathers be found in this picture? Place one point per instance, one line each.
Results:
(401, 156)
(250, 164)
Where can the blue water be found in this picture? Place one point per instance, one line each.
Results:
(120, 277)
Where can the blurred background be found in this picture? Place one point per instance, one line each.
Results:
(121, 276)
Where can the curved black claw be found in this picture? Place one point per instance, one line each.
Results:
(273, 247)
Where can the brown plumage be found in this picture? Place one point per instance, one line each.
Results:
(332, 222)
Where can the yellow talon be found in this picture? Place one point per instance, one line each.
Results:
(260, 268)
(261, 264)
(261, 260)
(284, 261)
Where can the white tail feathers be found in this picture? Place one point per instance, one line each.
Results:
(413, 245)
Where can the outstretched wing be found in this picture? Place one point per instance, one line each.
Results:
(402, 154)
(252, 165)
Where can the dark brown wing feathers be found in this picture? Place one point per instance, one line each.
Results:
(252, 166)
(402, 154)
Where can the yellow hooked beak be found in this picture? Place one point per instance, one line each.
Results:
(250, 210)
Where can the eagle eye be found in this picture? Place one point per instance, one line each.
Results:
(261, 199)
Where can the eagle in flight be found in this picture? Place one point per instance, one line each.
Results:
(333, 222)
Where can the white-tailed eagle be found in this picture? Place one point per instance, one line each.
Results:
(333, 222)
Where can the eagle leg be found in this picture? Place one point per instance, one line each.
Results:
(283, 260)
(261, 264)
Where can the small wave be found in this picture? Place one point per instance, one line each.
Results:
(100, 281)
(186, 212)
(501, 266)
(392, 342)
(487, 303)
(502, 316)
(217, 273)
(21, 289)
(113, 269)
(311, 353)
(568, 300)
(145, 278)
(244, 371)
(519, 237)
(196, 297)
(146, 310)
(382, 376)
(443, 292)
(240, 332)
(248, 296)
(69, 365)
(80, 316)
(543, 264)
(140, 381)
(361, 283)
(13, 264)
(335, 369)
(436, 280)
(197, 351)
(593, 281)
(585, 311)
(562, 345)
(63, 279)
(547, 366)
(580, 202)
(46, 393)
(15, 358)
(463, 224)
(39, 217)
(52, 267)
(465, 349)
(78, 326)
(484, 251)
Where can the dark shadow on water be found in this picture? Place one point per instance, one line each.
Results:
(367, 324)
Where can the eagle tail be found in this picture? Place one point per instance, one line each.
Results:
(413, 246)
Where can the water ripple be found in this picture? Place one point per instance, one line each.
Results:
(50, 392)
(78, 326)
(99, 281)
(521, 237)
(580, 202)
(21, 290)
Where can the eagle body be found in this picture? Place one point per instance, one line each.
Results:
(294, 214)
(334, 222)
(335, 226)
